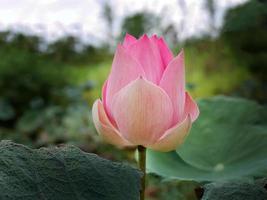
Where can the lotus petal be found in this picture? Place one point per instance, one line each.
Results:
(142, 111)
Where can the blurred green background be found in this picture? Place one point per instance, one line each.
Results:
(47, 88)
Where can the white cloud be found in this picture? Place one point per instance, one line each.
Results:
(58, 17)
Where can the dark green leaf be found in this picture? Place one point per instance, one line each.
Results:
(63, 173)
(235, 191)
(30, 121)
(6, 110)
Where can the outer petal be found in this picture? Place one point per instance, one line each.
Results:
(191, 107)
(104, 92)
(104, 101)
(124, 70)
(173, 82)
(105, 128)
(173, 137)
(128, 40)
(142, 111)
(165, 52)
(149, 57)
(159, 50)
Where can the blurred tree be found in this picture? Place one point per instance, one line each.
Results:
(27, 42)
(70, 49)
(109, 18)
(183, 6)
(32, 78)
(171, 35)
(210, 5)
(27, 79)
(139, 23)
(41, 102)
(4, 37)
(63, 49)
(245, 30)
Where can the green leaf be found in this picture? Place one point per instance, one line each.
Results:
(171, 166)
(228, 141)
(237, 190)
(63, 173)
(30, 121)
(7, 112)
(229, 133)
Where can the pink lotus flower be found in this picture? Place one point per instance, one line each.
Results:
(144, 101)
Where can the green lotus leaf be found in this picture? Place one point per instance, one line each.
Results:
(64, 173)
(236, 190)
(228, 141)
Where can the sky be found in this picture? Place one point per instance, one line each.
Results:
(84, 18)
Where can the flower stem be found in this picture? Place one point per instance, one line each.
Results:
(142, 166)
